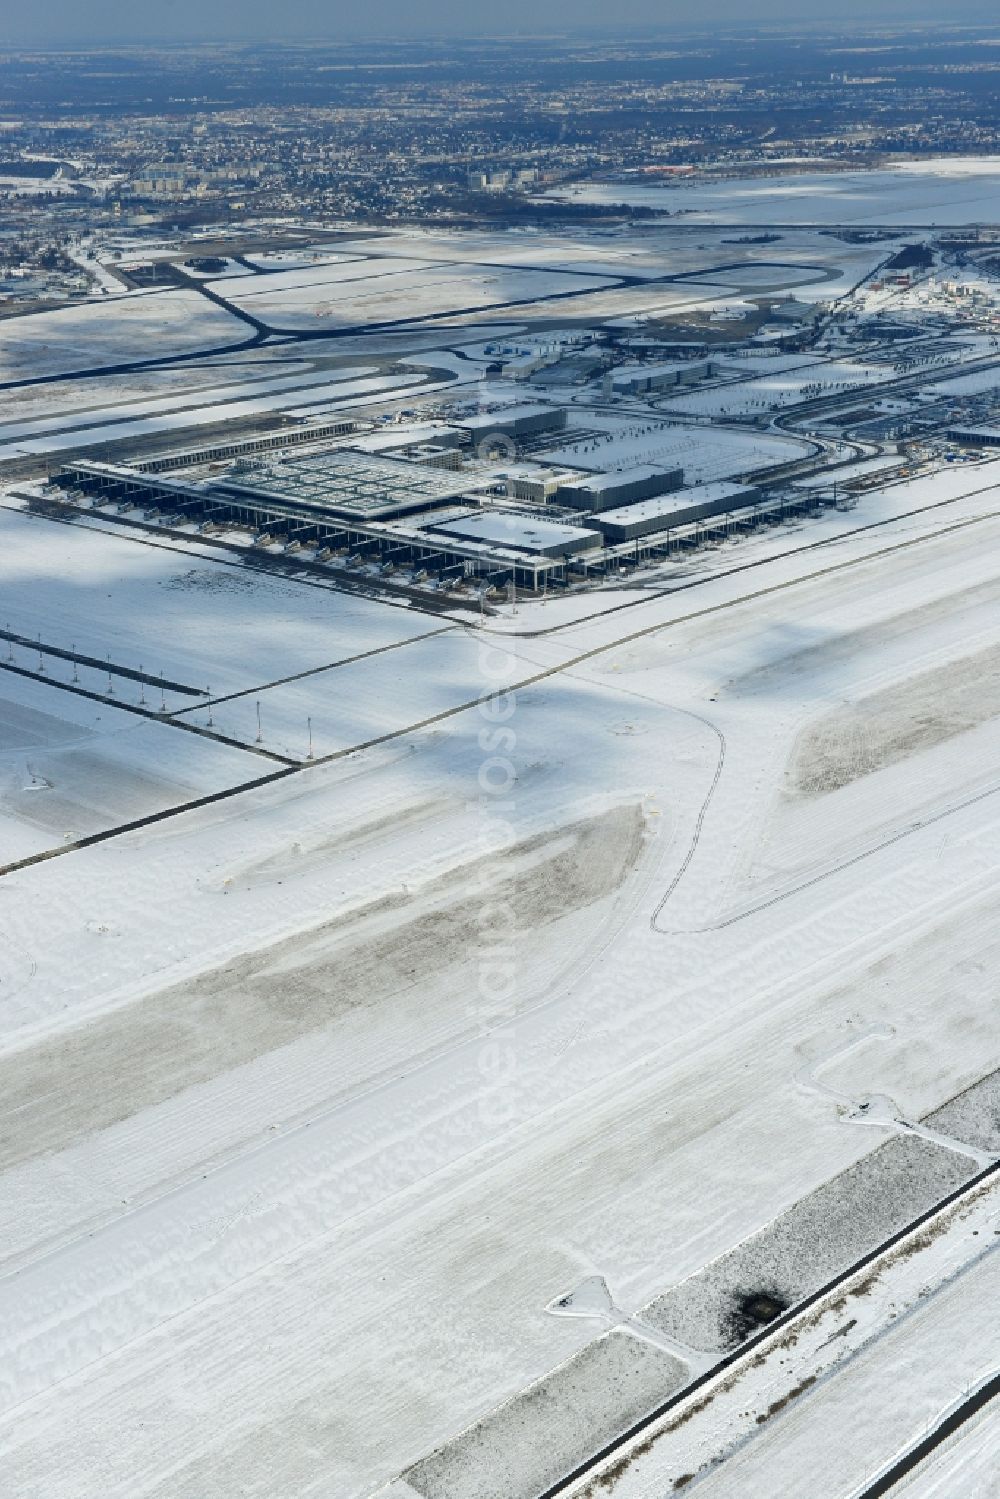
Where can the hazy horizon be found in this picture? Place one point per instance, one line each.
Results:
(110, 22)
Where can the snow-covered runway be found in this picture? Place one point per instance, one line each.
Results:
(321, 1095)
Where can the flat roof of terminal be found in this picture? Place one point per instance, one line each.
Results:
(984, 431)
(665, 505)
(360, 484)
(524, 532)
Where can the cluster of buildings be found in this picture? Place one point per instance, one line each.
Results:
(358, 140)
(502, 179)
(448, 506)
(646, 379)
(573, 355)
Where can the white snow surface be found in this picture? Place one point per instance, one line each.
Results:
(374, 292)
(213, 395)
(313, 395)
(942, 191)
(354, 1178)
(117, 330)
(319, 1094)
(705, 455)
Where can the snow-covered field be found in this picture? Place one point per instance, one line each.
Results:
(704, 455)
(293, 260)
(603, 252)
(384, 291)
(966, 385)
(941, 191)
(338, 269)
(374, 1063)
(305, 395)
(848, 1392)
(70, 766)
(114, 331)
(799, 257)
(156, 406)
(204, 623)
(789, 387)
(62, 400)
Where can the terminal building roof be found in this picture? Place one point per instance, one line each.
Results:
(528, 533)
(351, 483)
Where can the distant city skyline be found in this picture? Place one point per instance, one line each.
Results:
(51, 22)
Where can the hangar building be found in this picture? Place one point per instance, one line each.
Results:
(604, 491)
(639, 379)
(975, 437)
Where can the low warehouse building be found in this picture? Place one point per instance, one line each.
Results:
(605, 491)
(662, 513)
(526, 533)
(638, 379)
(975, 437)
(512, 421)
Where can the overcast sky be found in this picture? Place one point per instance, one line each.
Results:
(111, 20)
